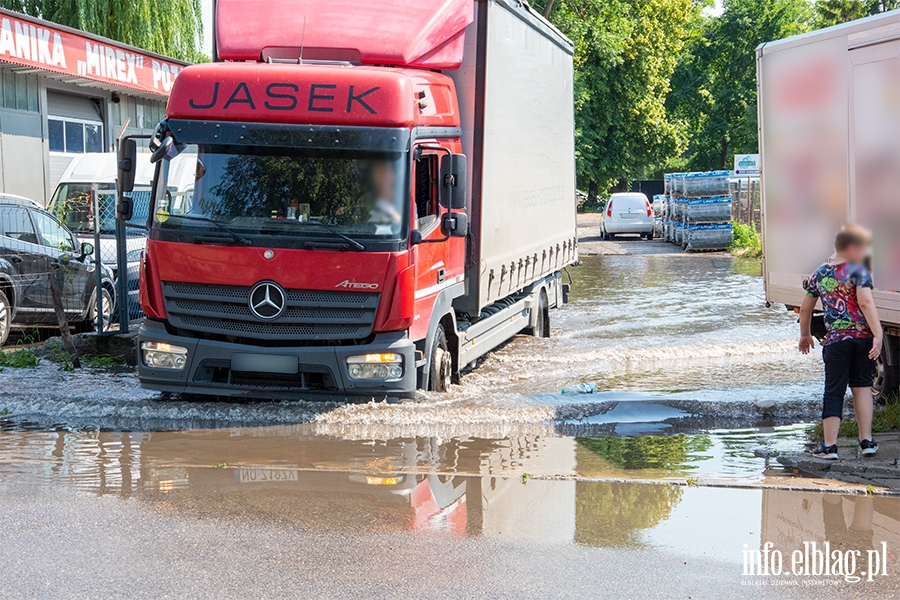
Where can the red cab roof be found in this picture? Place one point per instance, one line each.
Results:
(314, 94)
(424, 33)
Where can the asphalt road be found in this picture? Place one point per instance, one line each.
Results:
(76, 545)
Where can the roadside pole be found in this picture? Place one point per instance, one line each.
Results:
(98, 259)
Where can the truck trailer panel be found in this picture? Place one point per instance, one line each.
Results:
(522, 156)
(829, 127)
(830, 142)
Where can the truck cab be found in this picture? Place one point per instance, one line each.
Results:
(334, 241)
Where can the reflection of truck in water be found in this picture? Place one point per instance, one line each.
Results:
(377, 205)
(830, 143)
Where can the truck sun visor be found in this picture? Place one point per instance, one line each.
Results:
(296, 136)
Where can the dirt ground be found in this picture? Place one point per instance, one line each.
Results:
(590, 244)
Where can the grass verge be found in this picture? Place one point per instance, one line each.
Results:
(19, 359)
(747, 243)
(885, 418)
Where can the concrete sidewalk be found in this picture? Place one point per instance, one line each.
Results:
(882, 470)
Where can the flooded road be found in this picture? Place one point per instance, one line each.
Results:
(680, 347)
(504, 487)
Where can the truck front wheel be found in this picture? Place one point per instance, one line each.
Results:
(441, 363)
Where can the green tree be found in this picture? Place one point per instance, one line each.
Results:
(169, 27)
(833, 12)
(714, 85)
(625, 53)
(614, 514)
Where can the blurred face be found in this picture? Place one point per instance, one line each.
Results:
(383, 180)
(856, 253)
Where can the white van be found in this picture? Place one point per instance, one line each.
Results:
(71, 202)
(628, 212)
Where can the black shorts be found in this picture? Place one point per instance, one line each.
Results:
(846, 363)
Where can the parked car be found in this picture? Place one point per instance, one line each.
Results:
(627, 212)
(34, 243)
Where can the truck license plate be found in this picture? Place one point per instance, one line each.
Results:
(264, 363)
(265, 475)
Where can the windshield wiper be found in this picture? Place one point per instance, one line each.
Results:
(333, 230)
(234, 235)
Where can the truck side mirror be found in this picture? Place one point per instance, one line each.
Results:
(454, 181)
(127, 167)
(455, 224)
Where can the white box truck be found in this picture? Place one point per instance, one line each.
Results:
(829, 129)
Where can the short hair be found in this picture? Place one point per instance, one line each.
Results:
(851, 235)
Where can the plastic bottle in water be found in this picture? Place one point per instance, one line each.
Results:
(581, 388)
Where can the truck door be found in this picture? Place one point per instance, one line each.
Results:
(433, 258)
(875, 114)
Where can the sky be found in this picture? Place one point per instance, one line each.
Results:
(207, 26)
(208, 22)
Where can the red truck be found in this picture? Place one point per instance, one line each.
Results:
(383, 193)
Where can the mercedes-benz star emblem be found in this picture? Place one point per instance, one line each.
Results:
(267, 300)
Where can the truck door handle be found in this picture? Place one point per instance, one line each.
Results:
(15, 259)
(442, 274)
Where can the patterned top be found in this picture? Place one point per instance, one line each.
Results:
(835, 285)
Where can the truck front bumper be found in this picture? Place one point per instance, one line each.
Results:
(322, 371)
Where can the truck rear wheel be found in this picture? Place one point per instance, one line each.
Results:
(441, 364)
(542, 324)
(887, 377)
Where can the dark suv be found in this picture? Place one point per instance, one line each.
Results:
(34, 244)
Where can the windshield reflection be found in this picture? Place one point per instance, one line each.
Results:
(286, 191)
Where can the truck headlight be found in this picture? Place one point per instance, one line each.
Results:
(158, 355)
(379, 367)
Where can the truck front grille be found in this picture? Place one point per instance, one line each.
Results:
(309, 315)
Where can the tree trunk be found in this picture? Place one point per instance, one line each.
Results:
(548, 9)
(55, 278)
(723, 153)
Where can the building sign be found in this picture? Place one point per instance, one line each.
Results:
(38, 44)
(746, 164)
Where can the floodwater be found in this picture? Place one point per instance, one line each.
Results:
(490, 476)
(682, 349)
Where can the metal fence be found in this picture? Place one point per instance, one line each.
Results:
(745, 201)
(74, 258)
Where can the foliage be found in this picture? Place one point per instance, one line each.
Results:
(57, 354)
(714, 84)
(613, 514)
(885, 418)
(169, 27)
(4, 411)
(103, 361)
(625, 52)
(19, 359)
(649, 451)
(747, 242)
(834, 12)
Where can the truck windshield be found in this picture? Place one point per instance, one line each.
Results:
(284, 192)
